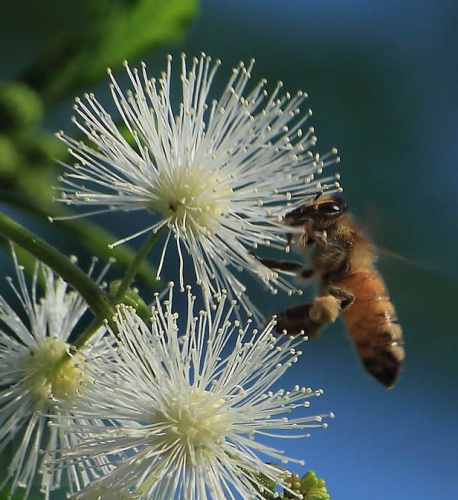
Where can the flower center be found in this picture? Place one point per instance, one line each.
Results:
(46, 376)
(191, 199)
(199, 420)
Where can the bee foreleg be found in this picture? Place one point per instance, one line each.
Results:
(313, 236)
(281, 265)
(346, 298)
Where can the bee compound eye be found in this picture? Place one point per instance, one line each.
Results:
(330, 208)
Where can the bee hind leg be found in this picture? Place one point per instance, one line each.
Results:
(346, 298)
(309, 318)
(325, 309)
(296, 320)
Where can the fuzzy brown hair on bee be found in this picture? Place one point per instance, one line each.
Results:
(342, 260)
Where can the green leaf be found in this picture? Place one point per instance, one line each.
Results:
(113, 31)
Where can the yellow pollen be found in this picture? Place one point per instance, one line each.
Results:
(199, 420)
(191, 199)
(47, 376)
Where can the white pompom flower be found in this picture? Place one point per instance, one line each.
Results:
(32, 373)
(219, 173)
(191, 410)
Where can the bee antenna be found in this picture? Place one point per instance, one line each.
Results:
(308, 193)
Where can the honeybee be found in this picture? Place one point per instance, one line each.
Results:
(342, 261)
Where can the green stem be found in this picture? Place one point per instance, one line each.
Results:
(99, 302)
(123, 287)
(90, 235)
(136, 263)
(96, 299)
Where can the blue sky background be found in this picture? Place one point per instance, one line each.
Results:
(382, 80)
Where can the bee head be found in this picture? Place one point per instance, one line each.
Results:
(323, 211)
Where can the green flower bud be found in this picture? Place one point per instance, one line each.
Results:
(314, 488)
(9, 157)
(20, 107)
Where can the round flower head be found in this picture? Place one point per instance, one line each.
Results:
(191, 410)
(32, 372)
(218, 172)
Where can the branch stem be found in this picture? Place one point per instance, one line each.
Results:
(136, 263)
(96, 299)
(102, 305)
(123, 287)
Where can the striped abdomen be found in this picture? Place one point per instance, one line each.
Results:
(372, 323)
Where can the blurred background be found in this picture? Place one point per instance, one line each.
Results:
(382, 79)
